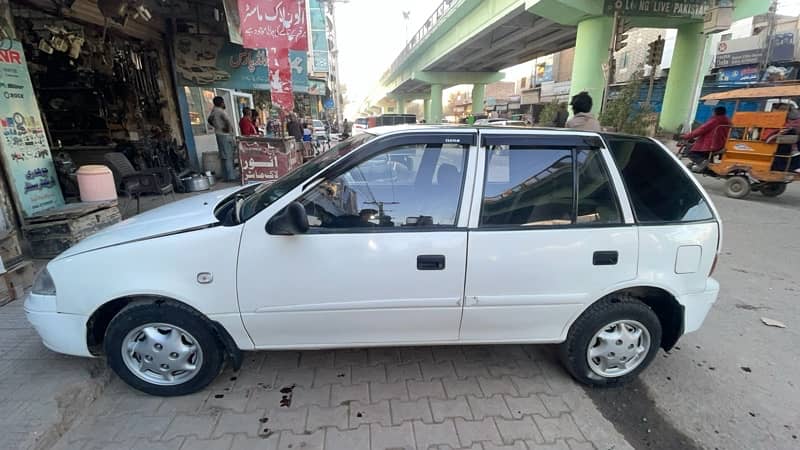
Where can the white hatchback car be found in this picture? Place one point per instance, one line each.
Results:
(401, 236)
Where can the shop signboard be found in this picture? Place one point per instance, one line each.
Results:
(299, 62)
(738, 73)
(739, 52)
(273, 24)
(280, 78)
(329, 103)
(267, 160)
(319, 37)
(232, 18)
(695, 9)
(212, 61)
(316, 87)
(782, 47)
(543, 71)
(26, 153)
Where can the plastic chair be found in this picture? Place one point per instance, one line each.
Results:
(134, 183)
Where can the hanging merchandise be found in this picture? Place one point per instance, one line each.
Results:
(26, 153)
(273, 24)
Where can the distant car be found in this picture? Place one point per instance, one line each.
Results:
(497, 122)
(360, 125)
(320, 131)
(410, 235)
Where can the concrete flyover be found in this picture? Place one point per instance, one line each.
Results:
(470, 41)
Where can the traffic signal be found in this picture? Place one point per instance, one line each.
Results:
(623, 25)
(655, 50)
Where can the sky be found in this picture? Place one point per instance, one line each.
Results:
(371, 33)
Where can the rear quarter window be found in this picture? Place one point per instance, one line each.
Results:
(660, 190)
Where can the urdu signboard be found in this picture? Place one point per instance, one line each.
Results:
(695, 9)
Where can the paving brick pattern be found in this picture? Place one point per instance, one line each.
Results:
(480, 398)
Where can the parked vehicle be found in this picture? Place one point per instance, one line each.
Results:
(360, 125)
(320, 131)
(758, 155)
(425, 235)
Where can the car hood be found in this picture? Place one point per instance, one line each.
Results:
(182, 215)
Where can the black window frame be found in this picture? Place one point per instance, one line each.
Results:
(573, 143)
(382, 145)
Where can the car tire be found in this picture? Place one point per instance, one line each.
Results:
(737, 187)
(773, 189)
(616, 318)
(173, 347)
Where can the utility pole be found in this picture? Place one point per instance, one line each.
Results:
(772, 23)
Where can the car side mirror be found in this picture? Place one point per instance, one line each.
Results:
(292, 220)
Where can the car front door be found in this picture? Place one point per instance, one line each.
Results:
(548, 235)
(383, 260)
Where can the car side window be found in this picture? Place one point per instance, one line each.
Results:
(597, 201)
(660, 191)
(406, 187)
(527, 187)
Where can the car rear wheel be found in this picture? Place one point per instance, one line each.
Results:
(163, 349)
(737, 187)
(773, 189)
(611, 342)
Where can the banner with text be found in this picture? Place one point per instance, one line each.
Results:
(211, 61)
(280, 78)
(319, 37)
(273, 24)
(26, 153)
(695, 9)
(299, 62)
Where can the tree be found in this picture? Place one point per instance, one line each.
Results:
(625, 113)
(548, 114)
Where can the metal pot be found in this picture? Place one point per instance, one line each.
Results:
(211, 180)
(195, 183)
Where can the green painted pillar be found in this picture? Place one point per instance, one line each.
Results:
(401, 104)
(435, 110)
(426, 107)
(686, 58)
(478, 93)
(591, 52)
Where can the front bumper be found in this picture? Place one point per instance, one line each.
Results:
(696, 306)
(62, 333)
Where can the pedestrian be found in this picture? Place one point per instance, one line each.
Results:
(560, 121)
(710, 138)
(223, 131)
(294, 128)
(246, 126)
(256, 119)
(581, 108)
(346, 129)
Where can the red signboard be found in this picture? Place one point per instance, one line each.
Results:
(273, 24)
(266, 160)
(280, 78)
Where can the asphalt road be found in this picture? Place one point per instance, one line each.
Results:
(735, 383)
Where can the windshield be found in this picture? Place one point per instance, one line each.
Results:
(318, 124)
(267, 193)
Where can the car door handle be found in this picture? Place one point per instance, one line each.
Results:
(430, 262)
(606, 258)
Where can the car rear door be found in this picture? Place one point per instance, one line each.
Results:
(385, 256)
(549, 234)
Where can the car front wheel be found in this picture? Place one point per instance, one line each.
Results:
(163, 349)
(611, 342)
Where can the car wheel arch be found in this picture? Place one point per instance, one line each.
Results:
(665, 305)
(99, 320)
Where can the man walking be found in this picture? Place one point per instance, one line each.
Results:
(223, 131)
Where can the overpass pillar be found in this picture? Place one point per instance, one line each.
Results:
(435, 109)
(478, 93)
(426, 107)
(401, 104)
(686, 58)
(591, 52)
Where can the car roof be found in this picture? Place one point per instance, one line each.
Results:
(378, 131)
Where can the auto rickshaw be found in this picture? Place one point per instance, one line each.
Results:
(758, 151)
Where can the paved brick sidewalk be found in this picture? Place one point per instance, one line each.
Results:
(41, 393)
(484, 397)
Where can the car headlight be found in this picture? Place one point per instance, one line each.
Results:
(43, 285)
